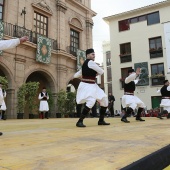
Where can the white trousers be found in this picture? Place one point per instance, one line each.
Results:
(90, 101)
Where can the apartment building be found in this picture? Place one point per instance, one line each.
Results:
(68, 26)
(140, 38)
(107, 67)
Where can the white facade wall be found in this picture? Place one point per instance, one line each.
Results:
(138, 36)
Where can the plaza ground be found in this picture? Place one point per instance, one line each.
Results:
(57, 144)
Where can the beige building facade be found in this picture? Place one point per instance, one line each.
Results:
(139, 38)
(68, 23)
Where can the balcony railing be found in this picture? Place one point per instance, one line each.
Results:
(17, 31)
(156, 53)
(157, 80)
(125, 58)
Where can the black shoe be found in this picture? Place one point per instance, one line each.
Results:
(125, 120)
(103, 123)
(80, 124)
(160, 117)
(1, 133)
(139, 119)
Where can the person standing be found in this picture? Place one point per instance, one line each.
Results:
(43, 97)
(129, 101)
(88, 91)
(111, 99)
(165, 102)
(3, 106)
(7, 44)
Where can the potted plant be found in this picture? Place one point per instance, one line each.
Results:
(61, 103)
(4, 81)
(21, 101)
(50, 101)
(31, 88)
(157, 75)
(71, 103)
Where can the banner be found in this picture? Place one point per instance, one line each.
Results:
(167, 43)
(43, 49)
(1, 33)
(144, 79)
(81, 57)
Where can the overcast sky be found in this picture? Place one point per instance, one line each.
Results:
(105, 8)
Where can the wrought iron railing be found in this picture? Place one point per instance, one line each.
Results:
(17, 31)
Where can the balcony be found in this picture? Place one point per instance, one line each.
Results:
(154, 53)
(157, 80)
(125, 58)
(17, 31)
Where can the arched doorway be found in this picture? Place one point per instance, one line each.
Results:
(9, 100)
(45, 80)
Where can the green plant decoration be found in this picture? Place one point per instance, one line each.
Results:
(4, 81)
(21, 101)
(32, 88)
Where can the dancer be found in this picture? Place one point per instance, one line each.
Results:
(129, 101)
(165, 102)
(7, 44)
(43, 97)
(3, 106)
(88, 91)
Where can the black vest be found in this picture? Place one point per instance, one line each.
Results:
(86, 71)
(130, 87)
(165, 92)
(42, 94)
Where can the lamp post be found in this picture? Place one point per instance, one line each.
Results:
(24, 13)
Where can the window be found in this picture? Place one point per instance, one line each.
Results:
(74, 42)
(1, 9)
(134, 20)
(153, 18)
(109, 74)
(155, 47)
(124, 25)
(124, 74)
(40, 24)
(125, 52)
(108, 58)
(157, 71)
(142, 18)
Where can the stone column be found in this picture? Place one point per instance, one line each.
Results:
(61, 9)
(10, 103)
(89, 26)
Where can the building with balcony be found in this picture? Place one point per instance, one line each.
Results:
(67, 23)
(107, 67)
(140, 38)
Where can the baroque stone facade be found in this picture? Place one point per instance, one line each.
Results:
(19, 64)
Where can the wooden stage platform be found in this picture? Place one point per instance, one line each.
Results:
(57, 144)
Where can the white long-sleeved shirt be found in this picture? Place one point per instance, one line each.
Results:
(7, 44)
(92, 65)
(132, 77)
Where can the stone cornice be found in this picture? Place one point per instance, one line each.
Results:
(80, 5)
(89, 23)
(61, 6)
(20, 59)
(40, 8)
(137, 11)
